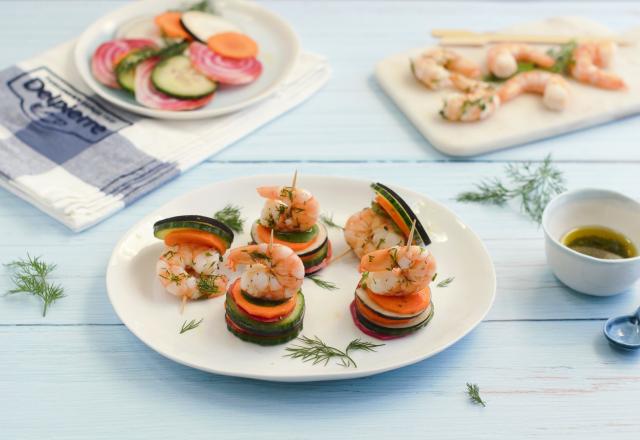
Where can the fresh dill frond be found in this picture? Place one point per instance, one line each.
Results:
(563, 56)
(30, 276)
(186, 326)
(140, 55)
(328, 285)
(474, 394)
(534, 186)
(207, 284)
(358, 344)
(203, 6)
(230, 215)
(259, 256)
(328, 220)
(314, 350)
(446, 282)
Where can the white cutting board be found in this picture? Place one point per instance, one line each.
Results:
(524, 119)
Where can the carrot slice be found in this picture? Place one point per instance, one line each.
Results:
(169, 24)
(264, 234)
(267, 312)
(233, 45)
(389, 209)
(405, 304)
(377, 319)
(195, 236)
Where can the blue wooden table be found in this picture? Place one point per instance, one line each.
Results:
(539, 357)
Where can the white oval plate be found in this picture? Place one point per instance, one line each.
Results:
(154, 315)
(279, 50)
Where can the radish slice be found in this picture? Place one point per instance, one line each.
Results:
(141, 27)
(108, 54)
(148, 96)
(222, 69)
(202, 25)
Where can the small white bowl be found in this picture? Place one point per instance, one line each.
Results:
(588, 207)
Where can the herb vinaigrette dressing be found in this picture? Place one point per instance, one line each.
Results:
(599, 242)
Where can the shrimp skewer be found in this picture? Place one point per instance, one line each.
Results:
(502, 59)
(191, 272)
(553, 88)
(273, 271)
(366, 231)
(589, 59)
(288, 208)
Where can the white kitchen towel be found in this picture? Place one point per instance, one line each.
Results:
(80, 159)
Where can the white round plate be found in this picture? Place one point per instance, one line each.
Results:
(154, 316)
(279, 50)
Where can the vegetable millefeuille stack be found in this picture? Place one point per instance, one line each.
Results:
(265, 305)
(194, 229)
(292, 215)
(393, 298)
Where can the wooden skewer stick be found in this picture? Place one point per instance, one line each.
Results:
(295, 179)
(271, 241)
(463, 37)
(184, 302)
(410, 239)
(336, 258)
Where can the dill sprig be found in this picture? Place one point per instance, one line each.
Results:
(314, 350)
(30, 276)
(328, 285)
(446, 282)
(473, 390)
(328, 220)
(563, 56)
(186, 326)
(145, 53)
(230, 215)
(534, 186)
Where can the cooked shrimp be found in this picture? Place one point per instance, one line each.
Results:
(288, 209)
(502, 59)
(434, 67)
(588, 61)
(191, 271)
(366, 231)
(274, 272)
(470, 85)
(553, 88)
(470, 107)
(399, 270)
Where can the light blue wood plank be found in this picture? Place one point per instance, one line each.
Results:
(526, 288)
(350, 118)
(540, 380)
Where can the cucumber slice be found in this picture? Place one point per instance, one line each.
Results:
(265, 340)
(162, 228)
(260, 328)
(297, 237)
(126, 68)
(405, 212)
(175, 76)
(203, 25)
(317, 257)
(260, 301)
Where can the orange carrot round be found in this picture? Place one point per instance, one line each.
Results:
(169, 24)
(195, 236)
(405, 304)
(389, 209)
(266, 312)
(264, 234)
(233, 45)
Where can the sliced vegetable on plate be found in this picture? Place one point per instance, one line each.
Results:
(109, 54)
(203, 25)
(184, 79)
(233, 45)
(221, 69)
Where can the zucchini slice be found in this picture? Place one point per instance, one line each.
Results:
(404, 211)
(265, 340)
(175, 76)
(395, 331)
(164, 227)
(297, 236)
(203, 25)
(320, 241)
